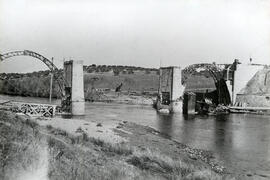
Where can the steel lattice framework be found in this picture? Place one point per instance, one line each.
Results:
(34, 109)
(215, 71)
(46, 61)
(217, 74)
(49, 64)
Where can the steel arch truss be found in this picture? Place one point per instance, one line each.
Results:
(216, 73)
(49, 64)
(46, 61)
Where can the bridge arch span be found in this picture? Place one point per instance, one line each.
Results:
(46, 61)
(43, 59)
(212, 69)
(216, 73)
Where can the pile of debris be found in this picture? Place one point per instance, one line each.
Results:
(222, 109)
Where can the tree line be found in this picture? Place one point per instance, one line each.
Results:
(117, 69)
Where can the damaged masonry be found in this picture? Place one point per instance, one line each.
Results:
(205, 88)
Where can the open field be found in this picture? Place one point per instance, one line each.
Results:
(131, 82)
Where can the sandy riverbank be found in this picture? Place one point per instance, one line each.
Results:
(118, 150)
(123, 98)
(103, 131)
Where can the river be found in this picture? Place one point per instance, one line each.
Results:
(240, 141)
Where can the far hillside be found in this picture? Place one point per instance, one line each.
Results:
(111, 76)
(131, 82)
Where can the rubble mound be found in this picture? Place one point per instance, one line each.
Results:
(257, 91)
(259, 84)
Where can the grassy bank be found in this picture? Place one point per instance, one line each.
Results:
(23, 150)
(33, 151)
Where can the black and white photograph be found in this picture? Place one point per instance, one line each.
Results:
(134, 89)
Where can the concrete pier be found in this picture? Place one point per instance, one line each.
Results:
(189, 103)
(74, 88)
(77, 98)
(170, 89)
(177, 90)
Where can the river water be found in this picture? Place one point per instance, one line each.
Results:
(239, 141)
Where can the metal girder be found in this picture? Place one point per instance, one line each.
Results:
(46, 61)
(214, 70)
(60, 79)
(33, 109)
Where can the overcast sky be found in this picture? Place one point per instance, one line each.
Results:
(134, 32)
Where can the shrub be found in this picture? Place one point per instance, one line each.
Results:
(158, 163)
(49, 127)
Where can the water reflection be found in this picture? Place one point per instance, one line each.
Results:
(165, 123)
(221, 131)
(188, 117)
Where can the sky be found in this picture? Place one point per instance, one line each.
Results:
(146, 33)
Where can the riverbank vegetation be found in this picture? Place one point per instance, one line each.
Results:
(43, 152)
(96, 77)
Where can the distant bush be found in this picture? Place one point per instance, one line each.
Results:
(116, 72)
(130, 71)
